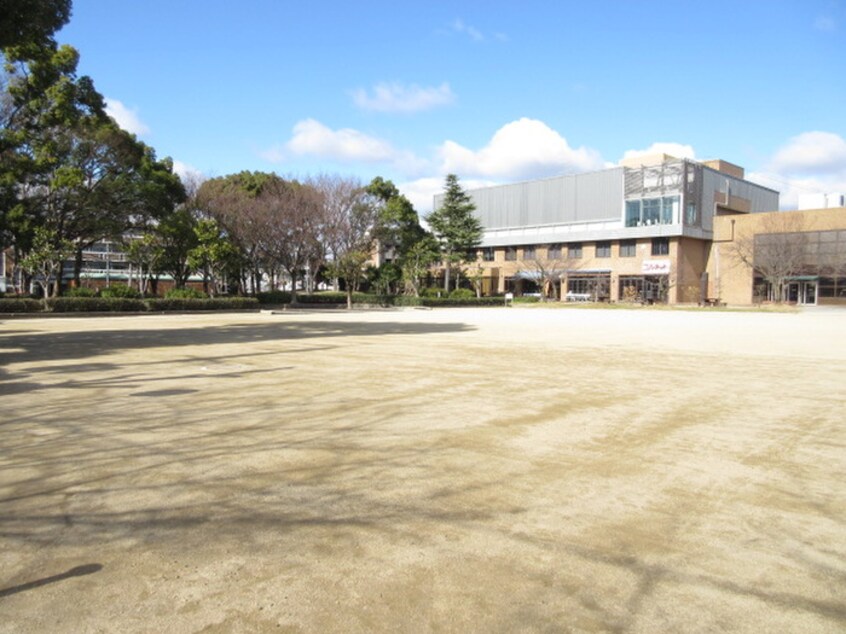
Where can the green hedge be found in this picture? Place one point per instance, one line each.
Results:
(187, 304)
(20, 305)
(121, 291)
(274, 297)
(124, 304)
(435, 302)
(96, 305)
(185, 293)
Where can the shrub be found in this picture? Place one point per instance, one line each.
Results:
(96, 305)
(274, 297)
(178, 304)
(81, 291)
(404, 300)
(462, 293)
(431, 291)
(20, 305)
(526, 299)
(185, 293)
(119, 291)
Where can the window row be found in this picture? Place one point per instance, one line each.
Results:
(575, 250)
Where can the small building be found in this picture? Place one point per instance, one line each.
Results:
(803, 252)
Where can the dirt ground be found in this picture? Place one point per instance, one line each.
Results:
(487, 470)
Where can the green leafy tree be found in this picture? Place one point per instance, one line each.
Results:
(177, 239)
(45, 259)
(144, 253)
(457, 230)
(400, 233)
(398, 226)
(64, 164)
(32, 22)
(417, 261)
(214, 256)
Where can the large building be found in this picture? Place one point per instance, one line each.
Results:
(643, 231)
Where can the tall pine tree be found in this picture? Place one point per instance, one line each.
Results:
(456, 228)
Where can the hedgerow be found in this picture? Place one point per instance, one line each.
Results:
(184, 304)
(20, 305)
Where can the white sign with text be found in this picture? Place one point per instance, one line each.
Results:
(655, 267)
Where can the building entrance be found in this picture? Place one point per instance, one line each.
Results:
(802, 292)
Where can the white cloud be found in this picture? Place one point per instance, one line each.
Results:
(346, 145)
(398, 98)
(522, 149)
(125, 117)
(673, 149)
(313, 138)
(188, 173)
(811, 162)
(473, 33)
(811, 153)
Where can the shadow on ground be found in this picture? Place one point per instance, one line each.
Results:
(16, 347)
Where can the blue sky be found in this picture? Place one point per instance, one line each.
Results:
(493, 91)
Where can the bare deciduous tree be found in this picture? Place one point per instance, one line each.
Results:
(349, 228)
(777, 252)
(291, 227)
(545, 272)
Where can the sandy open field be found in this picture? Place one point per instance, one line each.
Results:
(489, 470)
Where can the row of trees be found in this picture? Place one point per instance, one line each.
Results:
(71, 177)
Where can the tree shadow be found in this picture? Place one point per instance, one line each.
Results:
(18, 347)
(78, 571)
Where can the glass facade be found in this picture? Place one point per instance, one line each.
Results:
(652, 211)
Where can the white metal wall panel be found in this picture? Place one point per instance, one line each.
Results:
(563, 199)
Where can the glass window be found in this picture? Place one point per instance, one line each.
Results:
(510, 254)
(632, 213)
(488, 254)
(669, 210)
(574, 250)
(554, 252)
(603, 249)
(628, 248)
(692, 214)
(660, 246)
(651, 211)
(528, 253)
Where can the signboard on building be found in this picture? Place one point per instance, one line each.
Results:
(655, 267)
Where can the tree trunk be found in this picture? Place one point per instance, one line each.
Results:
(77, 267)
(446, 276)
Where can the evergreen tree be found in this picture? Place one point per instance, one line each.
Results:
(456, 228)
